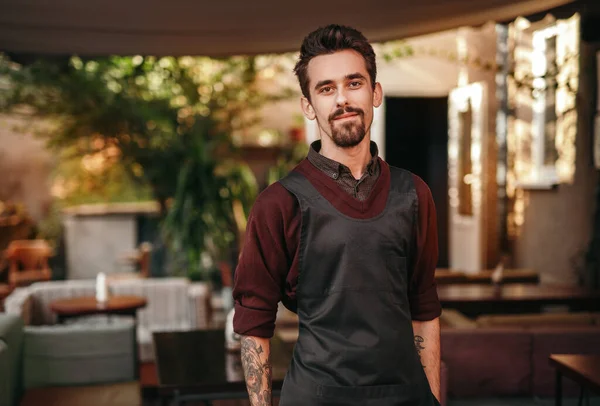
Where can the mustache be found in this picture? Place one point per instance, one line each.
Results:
(345, 110)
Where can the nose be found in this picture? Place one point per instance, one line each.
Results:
(341, 99)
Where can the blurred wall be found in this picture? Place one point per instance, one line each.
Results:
(426, 73)
(423, 74)
(557, 224)
(25, 168)
(99, 237)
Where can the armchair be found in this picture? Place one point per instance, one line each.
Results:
(67, 365)
(28, 262)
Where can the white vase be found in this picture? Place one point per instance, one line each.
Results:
(101, 288)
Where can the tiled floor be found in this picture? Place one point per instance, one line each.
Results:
(471, 402)
(148, 378)
(148, 402)
(595, 401)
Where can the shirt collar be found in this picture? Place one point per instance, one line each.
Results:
(334, 168)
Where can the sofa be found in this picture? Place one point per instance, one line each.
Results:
(172, 304)
(67, 365)
(507, 355)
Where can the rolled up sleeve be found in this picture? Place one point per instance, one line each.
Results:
(423, 298)
(259, 278)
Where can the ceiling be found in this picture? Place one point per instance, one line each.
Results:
(228, 27)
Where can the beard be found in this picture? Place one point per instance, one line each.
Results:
(347, 134)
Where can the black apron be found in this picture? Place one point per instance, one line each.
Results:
(356, 342)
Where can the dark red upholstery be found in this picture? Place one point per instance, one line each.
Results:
(487, 361)
(511, 361)
(546, 341)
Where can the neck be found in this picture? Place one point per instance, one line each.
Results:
(355, 158)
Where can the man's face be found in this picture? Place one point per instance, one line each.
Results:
(342, 98)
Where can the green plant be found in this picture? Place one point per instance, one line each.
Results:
(201, 221)
(142, 106)
(165, 122)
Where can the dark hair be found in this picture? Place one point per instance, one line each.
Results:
(330, 39)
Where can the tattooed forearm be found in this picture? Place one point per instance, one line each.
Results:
(427, 344)
(419, 346)
(255, 354)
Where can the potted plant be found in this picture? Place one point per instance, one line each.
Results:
(206, 217)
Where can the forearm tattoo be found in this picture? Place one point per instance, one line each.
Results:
(419, 346)
(257, 372)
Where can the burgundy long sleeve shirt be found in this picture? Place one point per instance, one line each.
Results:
(268, 268)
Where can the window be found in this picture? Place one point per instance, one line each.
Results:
(541, 91)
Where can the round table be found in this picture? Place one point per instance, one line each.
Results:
(88, 305)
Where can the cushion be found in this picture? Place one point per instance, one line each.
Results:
(20, 303)
(45, 293)
(167, 298)
(546, 341)
(451, 318)
(118, 394)
(78, 354)
(11, 336)
(487, 362)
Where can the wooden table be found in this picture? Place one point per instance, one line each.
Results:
(473, 300)
(88, 305)
(583, 369)
(510, 276)
(195, 366)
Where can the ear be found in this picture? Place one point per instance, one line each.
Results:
(307, 108)
(377, 95)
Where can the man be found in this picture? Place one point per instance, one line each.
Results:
(350, 244)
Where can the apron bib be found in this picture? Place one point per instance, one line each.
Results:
(356, 342)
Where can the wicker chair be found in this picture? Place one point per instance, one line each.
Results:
(28, 262)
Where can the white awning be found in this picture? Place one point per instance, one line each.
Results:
(229, 27)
